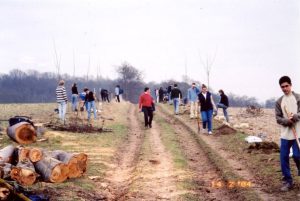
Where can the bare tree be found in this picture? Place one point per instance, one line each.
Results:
(88, 69)
(57, 61)
(130, 79)
(208, 65)
(74, 67)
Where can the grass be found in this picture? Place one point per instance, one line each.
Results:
(100, 147)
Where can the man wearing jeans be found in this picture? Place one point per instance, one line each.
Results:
(193, 100)
(61, 99)
(287, 111)
(90, 99)
(175, 96)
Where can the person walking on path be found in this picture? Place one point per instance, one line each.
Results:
(90, 99)
(156, 95)
(146, 104)
(161, 94)
(117, 93)
(169, 91)
(224, 104)
(74, 97)
(287, 110)
(176, 95)
(193, 100)
(61, 99)
(207, 106)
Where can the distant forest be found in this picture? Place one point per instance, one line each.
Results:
(35, 87)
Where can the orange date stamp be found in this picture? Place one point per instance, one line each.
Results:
(231, 184)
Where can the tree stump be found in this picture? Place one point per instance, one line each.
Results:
(6, 154)
(22, 133)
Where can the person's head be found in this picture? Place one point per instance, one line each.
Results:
(74, 85)
(146, 90)
(85, 90)
(285, 84)
(193, 85)
(204, 88)
(175, 85)
(221, 92)
(61, 83)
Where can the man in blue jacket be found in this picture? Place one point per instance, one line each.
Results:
(193, 100)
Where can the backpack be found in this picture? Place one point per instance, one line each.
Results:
(17, 119)
(121, 91)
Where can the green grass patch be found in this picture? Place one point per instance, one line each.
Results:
(171, 142)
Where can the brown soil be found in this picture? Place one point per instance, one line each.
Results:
(120, 177)
(225, 130)
(236, 165)
(263, 147)
(202, 170)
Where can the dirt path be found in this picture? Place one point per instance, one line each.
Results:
(203, 172)
(120, 177)
(236, 165)
(156, 177)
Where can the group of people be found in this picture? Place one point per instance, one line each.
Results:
(81, 101)
(195, 98)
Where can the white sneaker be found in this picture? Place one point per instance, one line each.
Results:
(204, 131)
(209, 133)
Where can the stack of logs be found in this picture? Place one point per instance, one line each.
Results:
(25, 165)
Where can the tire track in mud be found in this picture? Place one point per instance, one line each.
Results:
(156, 176)
(120, 178)
(236, 167)
(202, 171)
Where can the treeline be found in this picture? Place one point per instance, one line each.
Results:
(35, 87)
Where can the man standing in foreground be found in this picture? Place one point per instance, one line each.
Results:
(288, 115)
(146, 105)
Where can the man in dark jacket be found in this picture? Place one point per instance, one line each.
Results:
(287, 112)
(224, 104)
(176, 95)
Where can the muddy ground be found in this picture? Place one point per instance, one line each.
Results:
(170, 161)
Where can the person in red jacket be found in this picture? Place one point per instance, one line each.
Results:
(146, 103)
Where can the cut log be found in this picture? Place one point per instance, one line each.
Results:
(5, 169)
(51, 169)
(6, 154)
(24, 173)
(23, 153)
(76, 162)
(4, 193)
(22, 133)
(35, 155)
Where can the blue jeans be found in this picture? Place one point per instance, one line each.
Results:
(74, 101)
(91, 105)
(224, 107)
(207, 119)
(285, 160)
(62, 107)
(176, 105)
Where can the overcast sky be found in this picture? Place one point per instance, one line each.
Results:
(255, 41)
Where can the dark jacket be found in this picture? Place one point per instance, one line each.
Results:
(74, 90)
(90, 97)
(176, 93)
(205, 103)
(224, 100)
